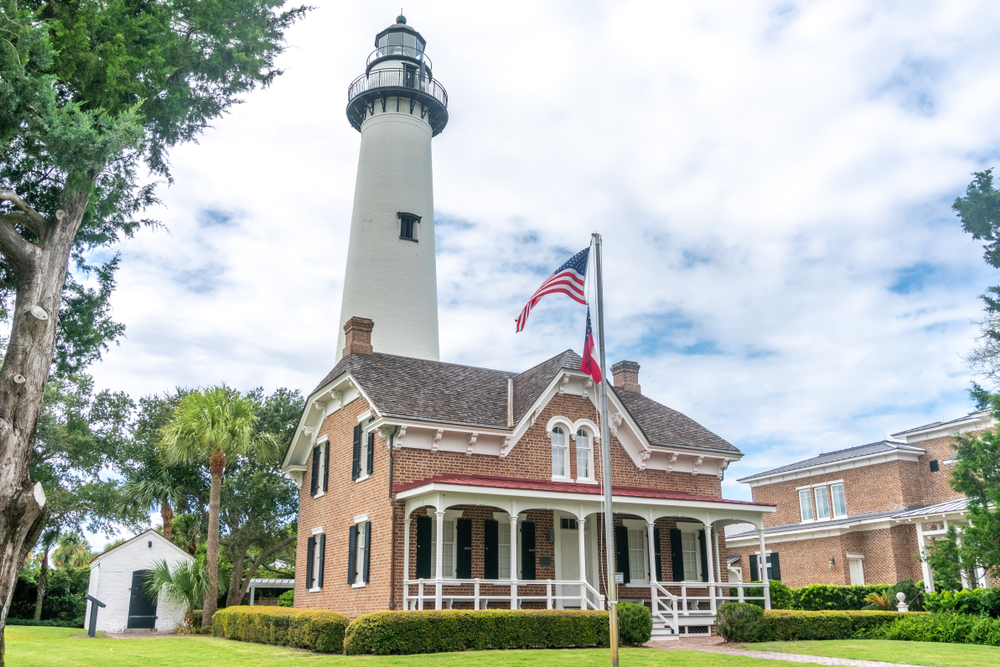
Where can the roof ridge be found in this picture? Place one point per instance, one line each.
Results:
(444, 363)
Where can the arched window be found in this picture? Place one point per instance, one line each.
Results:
(560, 458)
(584, 455)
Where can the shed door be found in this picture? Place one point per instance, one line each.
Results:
(141, 608)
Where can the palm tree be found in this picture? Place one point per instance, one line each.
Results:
(188, 583)
(73, 551)
(210, 426)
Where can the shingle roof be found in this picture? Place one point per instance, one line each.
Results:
(971, 415)
(564, 487)
(664, 426)
(741, 529)
(436, 391)
(839, 455)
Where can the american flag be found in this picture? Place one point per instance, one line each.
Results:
(568, 279)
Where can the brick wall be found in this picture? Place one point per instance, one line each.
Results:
(934, 485)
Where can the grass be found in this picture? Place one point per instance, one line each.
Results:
(903, 653)
(55, 647)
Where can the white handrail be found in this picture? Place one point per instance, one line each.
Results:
(663, 596)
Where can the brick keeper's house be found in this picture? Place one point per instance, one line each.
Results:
(859, 515)
(432, 485)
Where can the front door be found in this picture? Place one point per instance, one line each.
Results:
(857, 571)
(141, 607)
(569, 562)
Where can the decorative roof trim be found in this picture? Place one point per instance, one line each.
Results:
(900, 453)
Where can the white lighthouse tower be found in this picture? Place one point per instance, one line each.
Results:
(391, 276)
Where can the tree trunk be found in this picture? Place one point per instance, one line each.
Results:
(167, 514)
(216, 463)
(43, 584)
(40, 272)
(244, 586)
(235, 580)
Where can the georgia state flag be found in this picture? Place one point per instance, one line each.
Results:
(591, 364)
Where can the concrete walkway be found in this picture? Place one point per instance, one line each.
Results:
(716, 645)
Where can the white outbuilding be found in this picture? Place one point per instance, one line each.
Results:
(117, 578)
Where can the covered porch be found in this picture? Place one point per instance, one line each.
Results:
(479, 542)
(932, 524)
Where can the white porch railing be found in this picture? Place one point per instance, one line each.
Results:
(429, 591)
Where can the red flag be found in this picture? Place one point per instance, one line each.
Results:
(591, 364)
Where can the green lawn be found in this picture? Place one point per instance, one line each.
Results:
(905, 653)
(54, 647)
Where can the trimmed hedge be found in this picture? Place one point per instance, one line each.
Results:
(951, 628)
(980, 602)
(781, 625)
(409, 632)
(739, 621)
(320, 631)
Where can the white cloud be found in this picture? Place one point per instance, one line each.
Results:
(761, 173)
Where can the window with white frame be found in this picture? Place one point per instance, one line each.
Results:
(805, 504)
(839, 500)
(822, 503)
(363, 459)
(637, 554)
(448, 557)
(560, 459)
(503, 555)
(584, 455)
(360, 558)
(692, 562)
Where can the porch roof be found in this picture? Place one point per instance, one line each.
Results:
(513, 483)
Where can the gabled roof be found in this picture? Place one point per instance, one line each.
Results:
(146, 534)
(971, 417)
(840, 455)
(530, 384)
(665, 426)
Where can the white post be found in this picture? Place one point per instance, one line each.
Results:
(420, 595)
(513, 561)
(718, 558)
(476, 605)
(965, 575)
(548, 594)
(583, 563)
(252, 591)
(651, 538)
(439, 559)
(406, 562)
(925, 567)
(711, 570)
(763, 569)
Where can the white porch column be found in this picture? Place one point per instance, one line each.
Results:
(513, 561)
(925, 567)
(965, 575)
(711, 570)
(718, 559)
(580, 524)
(406, 562)
(763, 569)
(439, 559)
(651, 535)
(252, 591)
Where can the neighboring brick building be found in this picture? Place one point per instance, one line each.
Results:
(857, 515)
(474, 484)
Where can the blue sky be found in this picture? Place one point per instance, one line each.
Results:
(772, 180)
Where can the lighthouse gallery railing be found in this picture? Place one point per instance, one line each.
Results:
(397, 78)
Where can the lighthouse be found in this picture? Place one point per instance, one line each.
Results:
(391, 276)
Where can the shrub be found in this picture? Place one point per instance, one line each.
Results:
(782, 597)
(914, 595)
(822, 597)
(783, 625)
(980, 602)
(952, 628)
(286, 599)
(409, 632)
(635, 624)
(321, 631)
(51, 623)
(739, 621)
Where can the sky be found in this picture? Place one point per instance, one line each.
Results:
(773, 182)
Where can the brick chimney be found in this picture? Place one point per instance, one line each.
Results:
(626, 375)
(358, 336)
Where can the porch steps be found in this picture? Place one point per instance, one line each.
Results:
(662, 632)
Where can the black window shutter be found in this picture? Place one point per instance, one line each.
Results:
(491, 549)
(356, 461)
(621, 549)
(754, 575)
(677, 554)
(352, 553)
(326, 468)
(368, 550)
(315, 472)
(322, 559)
(371, 452)
(423, 547)
(658, 554)
(527, 550)
(704, 555)
(463, 560)
(775, 573)
(310, 552)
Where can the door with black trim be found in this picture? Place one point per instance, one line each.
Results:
(141, 605)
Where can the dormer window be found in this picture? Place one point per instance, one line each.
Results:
(560, 453)
(408, 226)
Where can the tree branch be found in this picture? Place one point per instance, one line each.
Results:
(36, 222)
(14, 246)
(257, 563)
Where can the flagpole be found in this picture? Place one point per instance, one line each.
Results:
(609, 521)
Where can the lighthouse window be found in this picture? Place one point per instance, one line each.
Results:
(408, 226)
